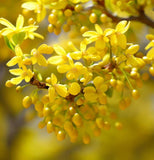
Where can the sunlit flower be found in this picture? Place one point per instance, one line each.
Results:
(117, 37)
(37, 57)
(39, 7)
(61, 58)
(95, 35)
(98, 92)
(23, 74)
(18, 33)
(74, 70)
(16, 59)
(56, 88)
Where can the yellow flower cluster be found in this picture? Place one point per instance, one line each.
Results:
(40, 6)
(16, 34)
(105, 62)
(126, 8)
(149, 58)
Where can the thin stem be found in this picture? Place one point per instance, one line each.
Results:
(127, 79)
(110, 50)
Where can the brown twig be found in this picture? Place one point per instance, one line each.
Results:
(141, 18)
(41, 85)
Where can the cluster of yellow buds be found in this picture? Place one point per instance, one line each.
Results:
(60, 12)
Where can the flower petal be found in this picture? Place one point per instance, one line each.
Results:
(89, 89)
(51, 91)
(13, 61)
(16, 71)
(122, 26)
(6, 23)
(19, 22)
(98, 81)
(98, 29)
(61, 90)
(76, 55)
(150, 53)
(6, 31)
(16, 80)
(55, 60)
(29, 5)
(18, 51)
(132, 49)
(74, 88)
(41, 60)
(92, 97)
(53, 79)
(90, 34)
(59, 50)
(122, 41)
(63, 68)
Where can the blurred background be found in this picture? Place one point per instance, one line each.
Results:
(21, 139)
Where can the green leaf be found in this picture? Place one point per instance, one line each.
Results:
(39, 76)
(109, 92)
(18, 38)
(9, 44)
(108, 5)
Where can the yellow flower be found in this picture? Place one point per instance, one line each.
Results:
(19, 59)
(117, 38)
(86, 77)
(61, 58)
(74, 70)
(93, 93)
(100, 88)
(18, 33)
(16, 59)
(91, 54)
(39, 7)
(95, 35)
(37, 57)
(150, 53)
(77, 54)
(74, 88)
(23, 74)
(129, 57)
(55, 89)
(90, 94)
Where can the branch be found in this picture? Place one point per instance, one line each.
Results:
(41, 85)
(141, 18)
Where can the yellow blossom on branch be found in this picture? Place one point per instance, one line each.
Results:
(96, 93)
(18, 33)
(19, 58)
(39, 7)
(61, 58)
(150, 46)
(16, 59)
(74, 70)
(56, 88)
(23, 74)
(37, 57)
